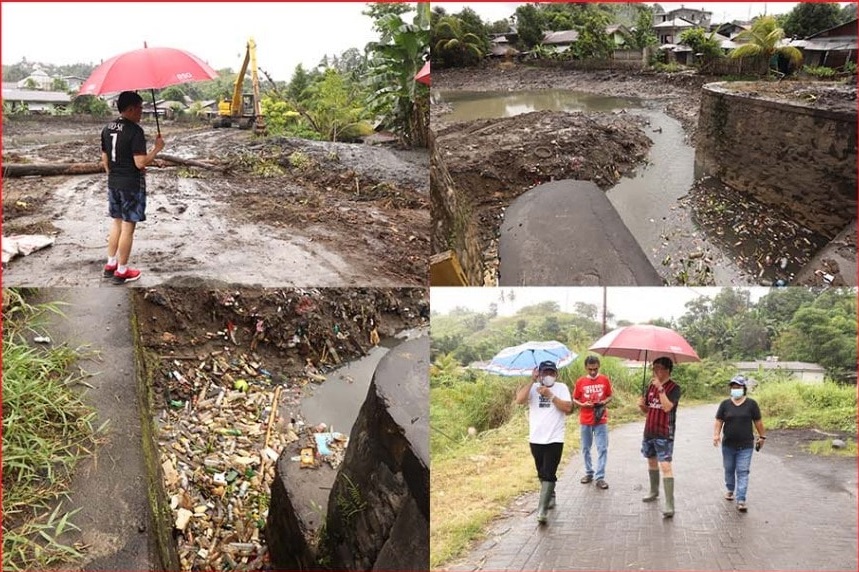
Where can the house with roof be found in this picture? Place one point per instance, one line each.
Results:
(831, 48)
(811, 373)
(501, 47)
(560, 41)
(669, 31)
(695, 17)
(34, 101)
(730, 29)
(38, 79)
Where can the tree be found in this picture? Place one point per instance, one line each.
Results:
(59, 84)
(173, 93)
(702, 43)
(808, 18)
(762, 41)
(498, 27)
(593, 41)
(453, 46)
(585, 310)
(30, 83)
(529, 25)
(401, 52)
(377, 11)
(298, 84)
(332, 105)
(642, 35)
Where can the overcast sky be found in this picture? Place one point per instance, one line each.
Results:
(637, 305)
(286, 34)
(722, 11)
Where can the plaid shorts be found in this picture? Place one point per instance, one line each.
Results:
(127, 204)
(662, 449)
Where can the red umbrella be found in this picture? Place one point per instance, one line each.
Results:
(147, 68)
(423, 76)
(645, 343)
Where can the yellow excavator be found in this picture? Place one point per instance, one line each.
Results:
(244, 110)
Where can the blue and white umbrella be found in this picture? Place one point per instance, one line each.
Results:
(522, 359)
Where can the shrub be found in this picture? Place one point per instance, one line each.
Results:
(821, 72)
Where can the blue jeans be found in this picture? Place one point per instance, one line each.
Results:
(737, 464)
(600, 434)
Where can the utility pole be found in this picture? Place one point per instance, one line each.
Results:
(604, 309)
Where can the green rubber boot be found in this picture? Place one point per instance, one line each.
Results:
(551, 503)
(668, 483)
(654, 486)
(545, 493)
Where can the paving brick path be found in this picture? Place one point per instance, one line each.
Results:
(797, 520)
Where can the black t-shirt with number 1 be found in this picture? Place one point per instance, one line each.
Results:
(738, 419)
(122, 139)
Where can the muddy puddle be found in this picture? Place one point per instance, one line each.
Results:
(468, 105)
(337, 401)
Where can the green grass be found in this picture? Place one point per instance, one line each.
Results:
(824, 448)
(46, 431)
(793, 405)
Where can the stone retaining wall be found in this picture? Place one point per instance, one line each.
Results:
(792, 156)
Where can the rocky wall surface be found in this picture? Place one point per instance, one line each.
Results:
(378, 511)
(454, 225)
(785, 152)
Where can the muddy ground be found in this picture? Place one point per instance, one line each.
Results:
(282, 212)
(622, 148)
(282, 342)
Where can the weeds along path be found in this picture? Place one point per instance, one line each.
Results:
(109, 489)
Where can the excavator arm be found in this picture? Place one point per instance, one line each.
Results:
(236, 105)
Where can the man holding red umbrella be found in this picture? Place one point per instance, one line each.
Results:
(660, 405)
(124, 156)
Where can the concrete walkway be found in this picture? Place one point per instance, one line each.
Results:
(567, 233)
(110, 489)
(799, 517)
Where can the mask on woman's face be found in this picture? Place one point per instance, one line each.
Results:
(548, 380)
(737, 393)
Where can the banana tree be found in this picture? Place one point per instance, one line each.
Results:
(396, 98)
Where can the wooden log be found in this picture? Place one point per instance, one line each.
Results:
(49, 169)
(53, 169)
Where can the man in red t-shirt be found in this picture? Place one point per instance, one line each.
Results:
(660, 405)
(592, 393)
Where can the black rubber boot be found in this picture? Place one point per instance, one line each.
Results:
(668, 483)
(545, 493)
(654, 486)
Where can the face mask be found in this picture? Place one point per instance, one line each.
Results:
(737, 393)
(548, 380)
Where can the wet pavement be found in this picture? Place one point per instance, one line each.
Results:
(802, 515)
(566, 233)
(109, 489)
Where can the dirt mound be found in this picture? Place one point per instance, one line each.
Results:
(840, 97)
(512, 154)
(493, 161)
(283, 329)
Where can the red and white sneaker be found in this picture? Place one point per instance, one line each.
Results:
(130, 275)
(109, 270)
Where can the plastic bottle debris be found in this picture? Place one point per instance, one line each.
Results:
(42, 340)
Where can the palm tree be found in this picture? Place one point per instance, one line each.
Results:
(457, 48)
(763, 42)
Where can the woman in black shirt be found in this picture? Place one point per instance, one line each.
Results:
(734, 420)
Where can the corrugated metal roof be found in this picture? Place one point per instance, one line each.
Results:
(789, 365)
(561, 37)
(831, 44)
(34, 95)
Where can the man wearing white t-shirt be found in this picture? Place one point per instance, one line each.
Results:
(549, 404)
